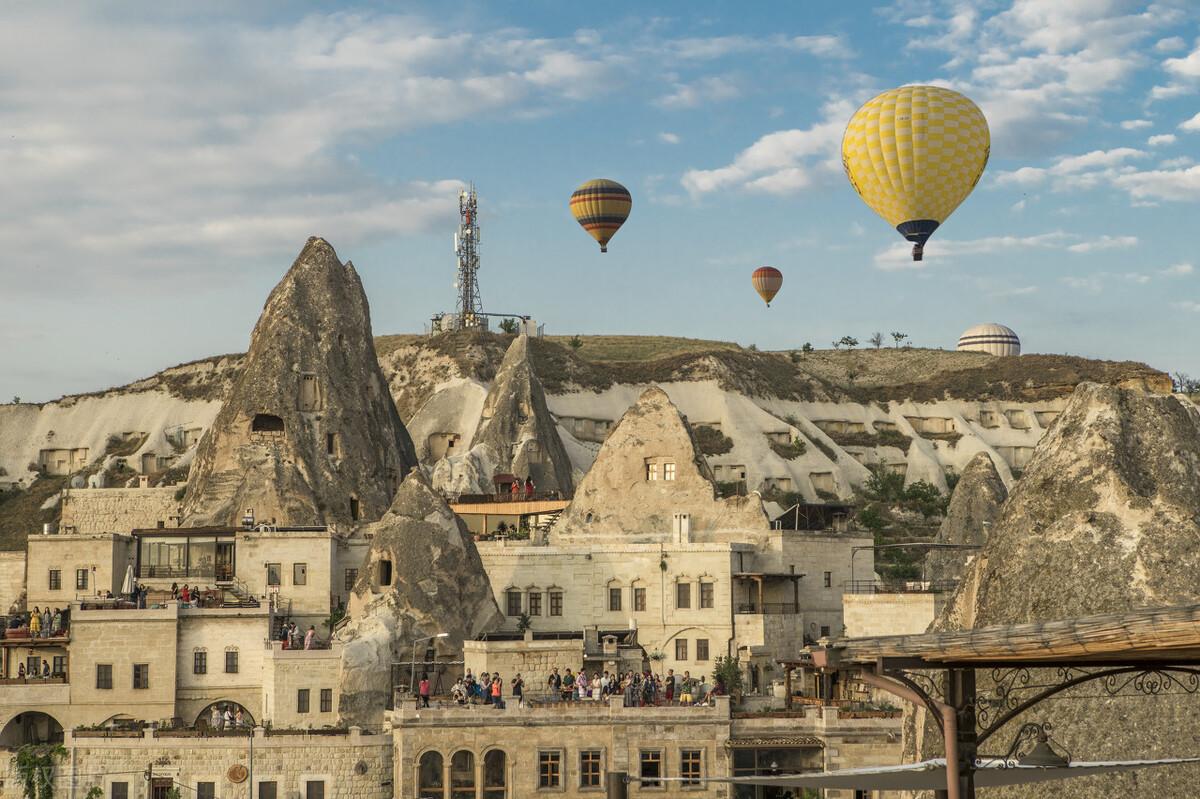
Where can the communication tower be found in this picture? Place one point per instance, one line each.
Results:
(469, 310)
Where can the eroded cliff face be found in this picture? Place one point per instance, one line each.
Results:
(974, 508)
(423, 576)
(1105, 519)
(516, 435)
(649, 469)
(308, 433)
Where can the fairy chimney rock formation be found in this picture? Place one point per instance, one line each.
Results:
(1105, 519)
(422, 577)
(974, 507)
(648, 472)
(309, 433)
(517, 435)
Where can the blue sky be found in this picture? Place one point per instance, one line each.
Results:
(162, 169)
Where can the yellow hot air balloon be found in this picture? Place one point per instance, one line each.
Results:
(767, 281)
(914, 154)
(601, 207)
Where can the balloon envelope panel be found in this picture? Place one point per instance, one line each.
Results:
(767, 281)
(601, 207)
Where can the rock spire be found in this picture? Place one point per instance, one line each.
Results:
(423, 576)
(974, 507)
(309, 433)
(648, 470)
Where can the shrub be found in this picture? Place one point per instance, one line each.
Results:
(870, 518)
(789, 451)
(884, 486)
(727, 672)
(712, 441)
(509, 326)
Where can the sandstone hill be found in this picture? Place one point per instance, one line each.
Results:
(308, 433)
(1105, 519)
(792, 424)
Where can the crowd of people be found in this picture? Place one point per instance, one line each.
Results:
(35, 672)
(41, 623)
(226, 718)
(293, 637)
(196, 596)
(638, 689)
(517, 488)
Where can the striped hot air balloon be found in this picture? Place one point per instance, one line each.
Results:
(914, 154)
(767, 281)
(601, 207)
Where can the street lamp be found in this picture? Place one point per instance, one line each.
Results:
(412, 669)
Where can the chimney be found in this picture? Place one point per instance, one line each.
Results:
(681, 527)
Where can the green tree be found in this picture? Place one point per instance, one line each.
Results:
(727, 672)
(808, 347)
(509, 326)
(876, 339)
(849, 342)
(575, 343)
(897, 337)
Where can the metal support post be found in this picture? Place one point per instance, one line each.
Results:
(616, 785)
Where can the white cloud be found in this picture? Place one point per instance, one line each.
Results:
(939, 251)
(1175, 163)
(825, 46)
(1186, 67)
(1025, 176)
(782, 162)
(1178, 270)
(1104, 243)
(711, 89)
(1188, 305)
(1162, 184)
(1017, 207)
(1092, 285)
(1072, 171)
(1160, 139)
(1191, 125)
(708, 48)
(1170, 91)
(1170, 44)
(1137, 277)
(669, 138)
(1135, 124)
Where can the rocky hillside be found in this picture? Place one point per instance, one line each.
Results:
(800, 424)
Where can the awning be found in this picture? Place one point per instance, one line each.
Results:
(930, 775)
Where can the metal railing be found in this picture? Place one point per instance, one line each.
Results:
(767, 608)
(898, 586)
(507, 496)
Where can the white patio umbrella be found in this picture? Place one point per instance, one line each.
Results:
(127, 584)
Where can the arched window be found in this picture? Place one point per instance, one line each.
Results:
(495, 784)
(462, 775)
(430, 780)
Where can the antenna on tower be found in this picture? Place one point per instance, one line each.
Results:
(469, 308)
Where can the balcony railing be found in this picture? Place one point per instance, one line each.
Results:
(899, 586)
(768, 608)
(507, 496)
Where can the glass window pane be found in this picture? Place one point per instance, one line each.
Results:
(494, 769)
(430, 775)
(202, 557)
(462, 774)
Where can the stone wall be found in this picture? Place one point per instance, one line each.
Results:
(12, 579)
(533, 660)
(890, 614)
(119, 510)
(288, 671)
(351, 765)
(216, 631)
(103, 559)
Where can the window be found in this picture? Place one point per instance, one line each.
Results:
(556, 598)
(589, 768)
(650, 765)
(614, 599)
(302, 700)
(689, 765)
(535, 603)
(354, 509)
(200, 662)
(706, 595)
(385, 573)
(81, 579)
(683, 595)
(651, 471)
(429, 776)
(267, 790)
(59, 665)
(495, 778)
(104, 676)
(314, 789)
(639, 599)
(668, 471)
(266, 423)
(231, 661)
(56, 585)
(119, 790)
(351, 578)
(681, 649)
(141, 675)
(701, 649)
(829, 579)
(824, 630)
(462, 775)
(330, 444)
(299, 574)
(513, 599)
(274, 574)
(206, 790)
(326, 700)
(550, 769)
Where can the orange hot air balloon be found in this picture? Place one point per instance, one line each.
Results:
(601, 207)
(767, 281)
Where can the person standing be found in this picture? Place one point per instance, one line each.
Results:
(423, 689)
(669, 686)
(35, 622)
(214, 718)
(518, 690)
(497, 692)
(529, 487)
(310, 637)
(227, 719)
(568, 686)
(554, 685)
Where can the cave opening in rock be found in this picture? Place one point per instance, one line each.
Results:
(266, 423)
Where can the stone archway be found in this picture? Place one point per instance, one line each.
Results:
(31, 727)
(204, 719)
